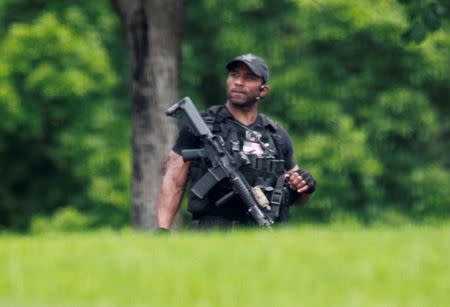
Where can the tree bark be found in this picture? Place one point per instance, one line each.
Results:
(154, 37)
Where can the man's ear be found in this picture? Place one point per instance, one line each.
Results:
(264, 90)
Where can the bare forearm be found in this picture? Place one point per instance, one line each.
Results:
(167, 205)
(171, 193)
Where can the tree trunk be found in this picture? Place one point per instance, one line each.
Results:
(154, 37)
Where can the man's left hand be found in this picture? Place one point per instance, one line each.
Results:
(302, 181)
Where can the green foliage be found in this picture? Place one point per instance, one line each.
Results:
(425, 16)
(63, 140)
(431, 198)
(64, 220)
(311, 266)
(346, 170)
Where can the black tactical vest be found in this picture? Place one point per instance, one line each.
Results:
(262, 170)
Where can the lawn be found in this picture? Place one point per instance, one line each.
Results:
(298, 266)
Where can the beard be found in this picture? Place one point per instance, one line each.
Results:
(244, 103)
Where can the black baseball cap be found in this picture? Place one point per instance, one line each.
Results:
(255, 63)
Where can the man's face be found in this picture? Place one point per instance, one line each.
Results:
(243, 86)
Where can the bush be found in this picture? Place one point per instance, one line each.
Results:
(66, 219)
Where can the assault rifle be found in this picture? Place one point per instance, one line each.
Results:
(222, 163)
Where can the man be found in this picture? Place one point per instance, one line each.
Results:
(244, 130)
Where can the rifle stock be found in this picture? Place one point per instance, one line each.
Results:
(185, 111)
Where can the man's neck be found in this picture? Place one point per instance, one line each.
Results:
(244, 115)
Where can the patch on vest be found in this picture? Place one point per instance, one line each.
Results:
(252, 143)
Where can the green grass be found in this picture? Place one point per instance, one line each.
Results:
(307, 266)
